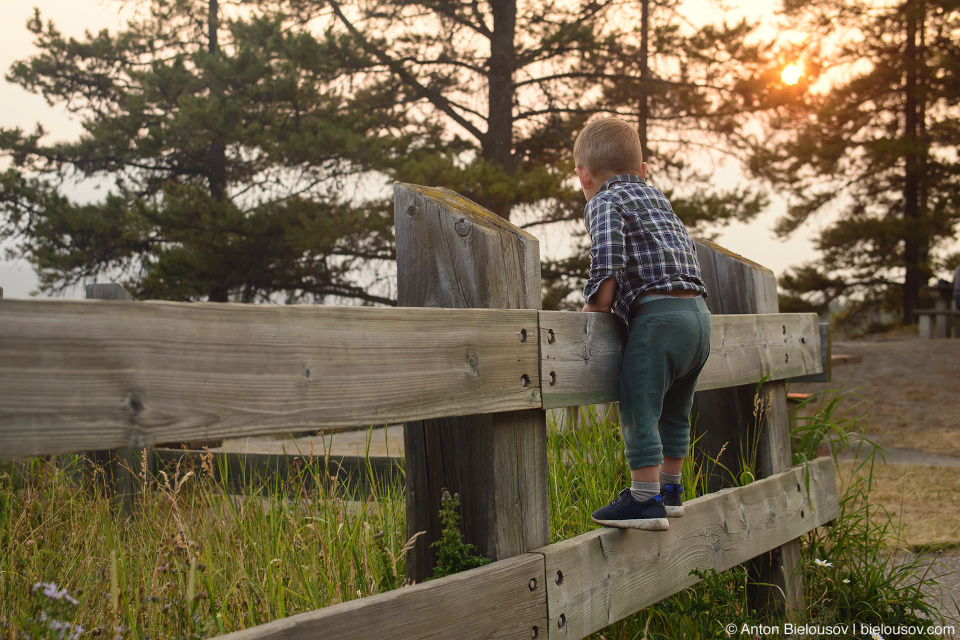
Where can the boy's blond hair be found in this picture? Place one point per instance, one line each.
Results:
(608, 145)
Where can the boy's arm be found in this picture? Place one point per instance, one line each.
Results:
(603, 299)
(606, 253)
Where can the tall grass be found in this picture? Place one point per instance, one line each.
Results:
(198, 561)
(195, 561)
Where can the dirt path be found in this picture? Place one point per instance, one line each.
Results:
(914, 388)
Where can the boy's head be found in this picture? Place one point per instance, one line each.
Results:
(605, 148)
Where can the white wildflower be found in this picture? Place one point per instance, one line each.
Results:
(823, 563)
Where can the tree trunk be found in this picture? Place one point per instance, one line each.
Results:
(497, 146)
(217, 174)
(217, 153)
(914, 232)
(644, 76)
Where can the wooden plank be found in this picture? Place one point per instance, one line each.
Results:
(776, 590)
(580, 358)
(119, 465)
(107, 291)
(724, 417)
(581, 353)
(506, 599)
(80, 375)
(827, 357)
(238, 472)
(735, 421)
(603, 576)
(453, 253)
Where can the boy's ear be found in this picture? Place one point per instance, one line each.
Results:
(586, 178)
(643, 171)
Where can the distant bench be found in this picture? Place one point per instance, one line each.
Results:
(942, 327)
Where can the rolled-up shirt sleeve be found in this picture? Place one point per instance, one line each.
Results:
(606, 244)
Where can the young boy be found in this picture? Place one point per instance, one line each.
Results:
(644, 268)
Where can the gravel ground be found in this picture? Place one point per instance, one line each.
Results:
(946, 566)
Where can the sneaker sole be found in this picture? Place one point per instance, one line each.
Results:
(644, 524)
(674, 512)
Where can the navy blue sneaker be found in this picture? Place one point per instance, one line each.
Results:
(626, 512)
(671, 499)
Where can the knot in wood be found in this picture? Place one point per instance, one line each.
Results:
(462, 227)
(412, 210)
(134, 403)
(473, 366)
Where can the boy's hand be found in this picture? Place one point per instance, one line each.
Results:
(603, 300)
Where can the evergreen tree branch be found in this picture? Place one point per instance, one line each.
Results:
(435, 98)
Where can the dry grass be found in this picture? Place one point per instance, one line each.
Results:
(923, 500)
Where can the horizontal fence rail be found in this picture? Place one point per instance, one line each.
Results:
(580, 362)
(83, 375)
(608, 574)
(572, 588)
(80, 375)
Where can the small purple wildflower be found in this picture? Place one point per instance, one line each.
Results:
(52, 591)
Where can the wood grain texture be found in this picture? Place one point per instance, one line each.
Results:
(780, 567)
(603, 576)
(493, 602)
(580, 358)
(453, 253)
(83, 375)
(117, 465)
(107, 291)
(464, 255)
(581, 353)
(745, 418)
(724, 421)
(826, 357)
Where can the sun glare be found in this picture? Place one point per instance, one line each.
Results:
(791, 74)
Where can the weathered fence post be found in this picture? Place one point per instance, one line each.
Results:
(119, 465)
(740, 418)
(453, 253)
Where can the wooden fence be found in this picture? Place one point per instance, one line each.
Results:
(473, 385)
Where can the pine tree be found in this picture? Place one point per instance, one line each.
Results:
(875, 142)
(226, 144)
(505, 84)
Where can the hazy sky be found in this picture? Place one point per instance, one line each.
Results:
(72, 17)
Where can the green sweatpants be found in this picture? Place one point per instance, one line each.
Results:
(668, 345)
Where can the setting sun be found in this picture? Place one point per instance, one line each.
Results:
(791, 74)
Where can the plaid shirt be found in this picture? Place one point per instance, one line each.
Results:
(637, 238)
